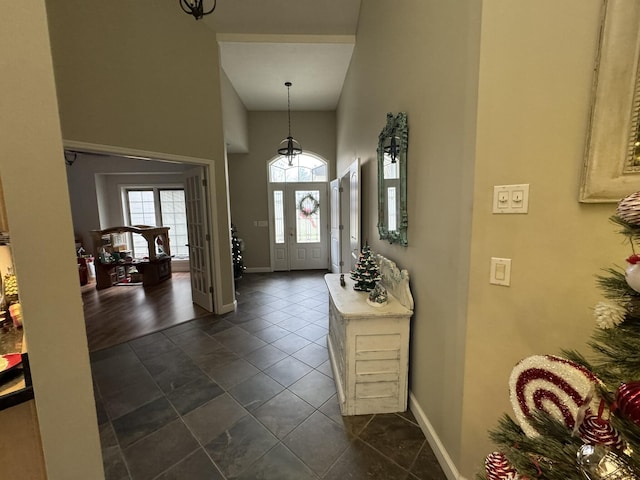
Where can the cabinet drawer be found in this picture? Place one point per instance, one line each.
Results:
(371, 390)
(379, 343)
(370, 367)
(377, 347)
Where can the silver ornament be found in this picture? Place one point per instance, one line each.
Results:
(601, 463)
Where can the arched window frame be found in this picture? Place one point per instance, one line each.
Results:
(307, 167)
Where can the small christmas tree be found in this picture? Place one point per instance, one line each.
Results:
(366, 273)
(236, 251)
(577, 418)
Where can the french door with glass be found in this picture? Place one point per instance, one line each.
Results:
(299, 221)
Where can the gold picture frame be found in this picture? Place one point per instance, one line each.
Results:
(612, 156)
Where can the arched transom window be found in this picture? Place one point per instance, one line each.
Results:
(306, 168)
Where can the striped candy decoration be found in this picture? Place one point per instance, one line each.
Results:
(597, 430)
(559, 387)
(498, 467)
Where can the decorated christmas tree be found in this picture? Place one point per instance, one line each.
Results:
(236, 251)
(366, 272)
(578, 417)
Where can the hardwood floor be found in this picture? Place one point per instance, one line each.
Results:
(118, 314)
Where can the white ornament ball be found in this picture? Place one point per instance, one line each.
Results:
(629, 209)
(632, 276)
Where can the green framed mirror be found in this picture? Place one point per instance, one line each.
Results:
(392, 179)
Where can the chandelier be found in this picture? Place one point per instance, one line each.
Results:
(291, 146)
(195, 8)
(392, 149)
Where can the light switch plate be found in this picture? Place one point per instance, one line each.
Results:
(511, 198)
(500, 271)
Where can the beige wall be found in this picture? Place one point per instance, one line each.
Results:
(236, 133)
(423, 62)
(19, 429)
(248, 172)
(132, 80)
(496, 93)
(534, 99)
(37, 201)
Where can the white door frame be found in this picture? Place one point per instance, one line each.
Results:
(345, 211)
(218, 301)
(336, 226)
(325, 219)
(351, 182)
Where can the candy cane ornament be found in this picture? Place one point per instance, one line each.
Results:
(557, 386)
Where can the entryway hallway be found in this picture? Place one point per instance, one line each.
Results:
(247, 395)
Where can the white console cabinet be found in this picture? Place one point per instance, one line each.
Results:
(369, 346)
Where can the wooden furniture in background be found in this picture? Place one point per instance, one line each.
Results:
(369, 346)
(154, 269)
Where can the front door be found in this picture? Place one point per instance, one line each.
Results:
(299, 233)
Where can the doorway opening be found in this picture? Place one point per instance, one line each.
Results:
(101, 178)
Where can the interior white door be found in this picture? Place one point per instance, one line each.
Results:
(199, 237)
(336, 225)
(354, 212)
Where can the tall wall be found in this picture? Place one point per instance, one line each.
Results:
(536, 73)
(128, 79)
(37, 202)
(235, 117)
(248, 172)
(423, 62)
(496, 92)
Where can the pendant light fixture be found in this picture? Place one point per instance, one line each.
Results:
(392, 149)
(195, 8)
(291, 146)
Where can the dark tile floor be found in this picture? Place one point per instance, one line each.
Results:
(248, 395)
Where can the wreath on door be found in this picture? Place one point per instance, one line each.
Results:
(308, 206)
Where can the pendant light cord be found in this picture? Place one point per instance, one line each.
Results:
(288, 84)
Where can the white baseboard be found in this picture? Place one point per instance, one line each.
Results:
(226, 308)
(441, 453)
(258, 270)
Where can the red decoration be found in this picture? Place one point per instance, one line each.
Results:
(554, 385)
(597, 430)
(632, 272)
(498, 467)
(627, 402)
(633, 259)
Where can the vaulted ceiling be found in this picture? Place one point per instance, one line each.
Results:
(264, 44)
